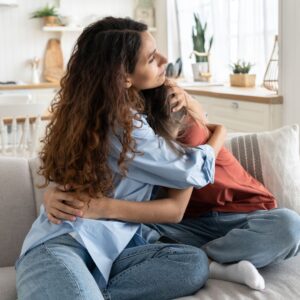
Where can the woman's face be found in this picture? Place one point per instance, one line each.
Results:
(150, 71)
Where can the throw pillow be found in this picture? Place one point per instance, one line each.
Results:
(273, 159)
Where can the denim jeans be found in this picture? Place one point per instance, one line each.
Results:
(61, 268)
(261, 237)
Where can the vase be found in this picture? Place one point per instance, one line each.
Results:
(200, 71)
(242, 80)
(50, 21)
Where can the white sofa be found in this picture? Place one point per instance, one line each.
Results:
(20, 201)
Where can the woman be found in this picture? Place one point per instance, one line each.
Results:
(100, 144)
(234, 219)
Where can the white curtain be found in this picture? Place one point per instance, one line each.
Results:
(242, 29)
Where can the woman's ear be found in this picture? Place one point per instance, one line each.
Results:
(128, 82)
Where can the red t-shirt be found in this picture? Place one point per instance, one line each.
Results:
(233, 190)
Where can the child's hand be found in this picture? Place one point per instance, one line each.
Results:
(62, 205)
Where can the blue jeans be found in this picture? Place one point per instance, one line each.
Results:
(61, 268)
(261, 237)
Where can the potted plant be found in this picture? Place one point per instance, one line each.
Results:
(49, 15)
(241, 76)
(201, 50)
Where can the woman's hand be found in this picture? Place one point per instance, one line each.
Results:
(62, 205)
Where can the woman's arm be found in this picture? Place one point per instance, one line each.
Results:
(65, 205)
(166, 210)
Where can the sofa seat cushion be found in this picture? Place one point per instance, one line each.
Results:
(282, 282)
(8, 283)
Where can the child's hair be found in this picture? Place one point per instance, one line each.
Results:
(170, 125)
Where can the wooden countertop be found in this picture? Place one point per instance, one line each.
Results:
(256, 94)
(43, 85)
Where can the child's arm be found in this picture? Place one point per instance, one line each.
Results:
(166, 210)
(65, 205)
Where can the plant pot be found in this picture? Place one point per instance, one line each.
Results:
(200, 71)
(50, 21)
(242, 80)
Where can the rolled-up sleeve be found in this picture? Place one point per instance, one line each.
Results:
(158, 164)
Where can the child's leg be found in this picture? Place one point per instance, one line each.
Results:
(242, 272)
(261, 238)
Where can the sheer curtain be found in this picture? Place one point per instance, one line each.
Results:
(242, 29)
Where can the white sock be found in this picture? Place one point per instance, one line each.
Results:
(243, 272)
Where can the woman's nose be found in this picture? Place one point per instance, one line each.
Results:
(163, 60)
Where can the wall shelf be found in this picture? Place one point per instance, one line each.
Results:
(76, 29)
(9, 2)
(62, 28)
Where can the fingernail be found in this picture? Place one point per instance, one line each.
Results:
(73, 218)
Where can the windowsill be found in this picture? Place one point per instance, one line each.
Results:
(256, 94)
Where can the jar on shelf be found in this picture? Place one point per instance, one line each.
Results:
(144, 12)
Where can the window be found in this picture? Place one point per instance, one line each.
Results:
(242, 29)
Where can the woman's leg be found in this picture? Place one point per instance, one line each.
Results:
(57, 269)
(157, 271)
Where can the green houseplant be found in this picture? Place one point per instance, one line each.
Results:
(49, 15)
(241, 76)
(201, 50)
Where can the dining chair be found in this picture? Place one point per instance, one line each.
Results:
(20, 124)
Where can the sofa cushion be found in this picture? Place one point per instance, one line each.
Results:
(8, 283)
(282, 282)
(18, 210)
(273, 159)
(37, 181)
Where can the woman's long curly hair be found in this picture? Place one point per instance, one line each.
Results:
(90, 105)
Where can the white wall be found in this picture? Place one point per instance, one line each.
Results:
(22, 38)
(289, 32)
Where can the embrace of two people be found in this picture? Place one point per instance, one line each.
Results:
(122, 134)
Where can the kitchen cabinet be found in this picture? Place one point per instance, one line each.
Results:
(240, 110)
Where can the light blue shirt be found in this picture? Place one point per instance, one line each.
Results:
(157, 164)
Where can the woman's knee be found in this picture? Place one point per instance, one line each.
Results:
(42, 274)
(199, 268)
(193, 268)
